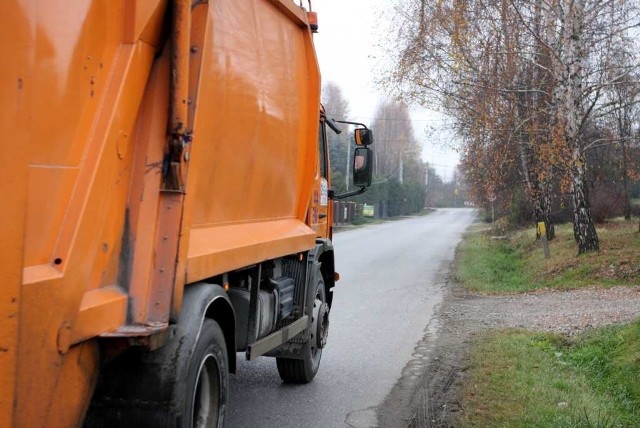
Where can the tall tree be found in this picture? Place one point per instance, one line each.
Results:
(624, 99)
(521, 95)
(397, 151)
(337, 107)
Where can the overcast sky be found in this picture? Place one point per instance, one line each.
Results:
(346, 47)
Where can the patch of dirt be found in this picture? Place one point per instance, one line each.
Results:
(621, 269)
(556, 268)
(430, 399)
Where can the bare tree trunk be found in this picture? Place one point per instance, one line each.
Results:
(624, 132)
(571, 83)
(584, 230)
(625, 182)
(539, 104)
(542, 210)
(546, 211)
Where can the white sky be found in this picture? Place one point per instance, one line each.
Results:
(346, 46)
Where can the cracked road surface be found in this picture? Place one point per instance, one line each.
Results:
(392, 278)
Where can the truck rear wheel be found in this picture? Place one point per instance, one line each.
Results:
(305, 369)
(207, 379)
(183, 384)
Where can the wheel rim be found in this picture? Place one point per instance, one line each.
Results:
(314, 326)
(206, 400)
(322, 331)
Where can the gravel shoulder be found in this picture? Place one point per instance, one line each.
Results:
(427, 393)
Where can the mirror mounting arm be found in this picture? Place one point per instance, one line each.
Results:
(360, 191)
(332, 124)
(351, 123)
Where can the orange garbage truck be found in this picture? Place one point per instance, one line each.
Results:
(166, 204)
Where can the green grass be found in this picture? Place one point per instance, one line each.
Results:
(358, 220)
(487, 265)
(518, 264)
(610, 359)
(423, 212)
(523, 379)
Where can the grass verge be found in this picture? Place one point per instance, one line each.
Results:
(516, 264)
(524, 379)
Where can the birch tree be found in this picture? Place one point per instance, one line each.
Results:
(583, 38)
(522, 79)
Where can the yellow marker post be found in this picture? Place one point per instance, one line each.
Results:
(542, 231)
(542, 228)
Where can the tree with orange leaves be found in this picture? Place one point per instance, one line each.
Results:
(521, 95)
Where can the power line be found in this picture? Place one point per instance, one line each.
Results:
(371, 119)
(440, 164)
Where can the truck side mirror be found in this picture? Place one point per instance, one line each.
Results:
(362, 167)
(363, 136)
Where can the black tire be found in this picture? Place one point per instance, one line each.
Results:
(305, 369)
(207, 380)
(165, 388)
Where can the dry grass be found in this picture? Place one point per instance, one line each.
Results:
(517, 264)
(617, 262)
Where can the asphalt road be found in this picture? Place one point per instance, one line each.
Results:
(392, 276)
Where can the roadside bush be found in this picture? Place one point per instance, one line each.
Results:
(358, 220)
(520, 210)
(399, 199)
(414, 197)
(606, 203)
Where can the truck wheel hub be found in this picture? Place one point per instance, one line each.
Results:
(322, 327)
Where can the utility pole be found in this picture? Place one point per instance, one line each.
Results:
(455, 190)
(426, 178)
(346, 178)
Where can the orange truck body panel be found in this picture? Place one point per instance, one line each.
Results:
(91, 243)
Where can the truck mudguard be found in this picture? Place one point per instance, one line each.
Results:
(149, 386)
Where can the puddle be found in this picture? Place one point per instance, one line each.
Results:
(365, 418)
